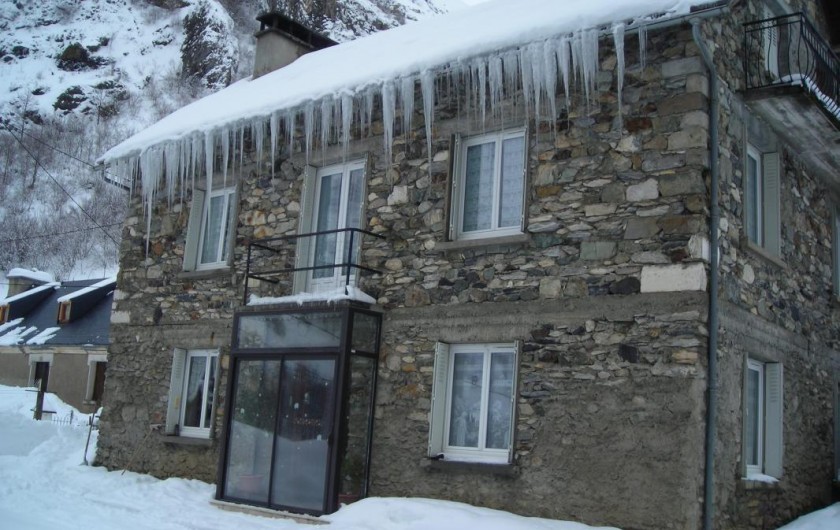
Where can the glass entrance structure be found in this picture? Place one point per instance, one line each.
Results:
(299, 411)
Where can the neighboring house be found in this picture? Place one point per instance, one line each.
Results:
(56, 334)
(478, 266)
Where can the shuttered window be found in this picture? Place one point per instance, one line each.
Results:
(763, 415)
(474, 402)
(210, 230)
(192, 388)
(762, 190)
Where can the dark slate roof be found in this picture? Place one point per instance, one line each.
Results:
(91, 328)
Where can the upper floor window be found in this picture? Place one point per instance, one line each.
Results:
(761, 205)
(489, 186)
(210, 229)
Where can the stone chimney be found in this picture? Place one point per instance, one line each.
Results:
(281, 40)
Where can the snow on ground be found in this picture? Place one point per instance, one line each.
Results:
(45, 486)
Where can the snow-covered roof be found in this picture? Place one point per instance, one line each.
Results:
(387, 58)
(112, 281)
(30, 292)
(38, 276)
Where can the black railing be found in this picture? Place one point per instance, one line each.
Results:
(286, 248)
(787, 51)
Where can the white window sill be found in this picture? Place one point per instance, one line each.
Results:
(762, 253)
(757, 481)
(464, 244)
(204, 274)
(188, 440)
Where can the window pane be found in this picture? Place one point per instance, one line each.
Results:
(290, 330)
(212, 230)
(499, 407)
(752, 436)
(478, 188)
(194, 391)
(465, 412)
(354, 212)
(328, 210)
(510, 197)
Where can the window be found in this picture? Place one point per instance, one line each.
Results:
(473, 402)
(761, 210)
(191, 393)
(97, 364)
(210, 229)
(333, 200)
(762, 441)
(488, 186)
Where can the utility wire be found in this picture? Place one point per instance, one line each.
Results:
(15, 240)
(38, 162)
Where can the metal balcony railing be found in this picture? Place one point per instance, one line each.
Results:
(787, 51)
(342, 247)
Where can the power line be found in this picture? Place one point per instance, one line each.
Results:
(15, 240)
(38, 162)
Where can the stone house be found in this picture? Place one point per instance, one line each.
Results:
(54, 335)
(480, 268)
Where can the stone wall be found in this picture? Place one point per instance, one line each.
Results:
(774, 307)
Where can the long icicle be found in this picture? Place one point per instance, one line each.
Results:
(618, 38)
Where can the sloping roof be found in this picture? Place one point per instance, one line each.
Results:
(403, 52)
(39, 326)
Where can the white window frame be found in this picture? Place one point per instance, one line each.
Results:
(181, 360)
(440, 415)
(770, 419)
(199, 215)
(459, 185)
(767, 198)
(305, 247)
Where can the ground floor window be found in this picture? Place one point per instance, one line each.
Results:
(192, 391)
(474, 399)
(96, 378)
(762, 439)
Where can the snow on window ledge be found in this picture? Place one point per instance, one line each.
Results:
(342, 293)
(760, 481)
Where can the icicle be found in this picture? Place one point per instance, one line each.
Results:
(511, 69)
(407, 99)
(326, 123)
(389, 109)
(346, 122)
(170, 155)
(241, 149)
(642, 47)
(535, 57)
(289, 122)
(151, 173)
(225, 155)
(549, 79)
(208, 156)
(590, 61)
(274, 129)
(370, 93)
(618, 38)
(526, 74)
(495, 78)
(427, 88)
(563, 59)
(309, 126)
(258, 128)
(481, 66)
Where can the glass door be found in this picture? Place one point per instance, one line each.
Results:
(338, 205)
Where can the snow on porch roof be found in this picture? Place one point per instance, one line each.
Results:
(407, 50)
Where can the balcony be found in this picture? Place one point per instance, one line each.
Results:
(793, 82)
(317, 263)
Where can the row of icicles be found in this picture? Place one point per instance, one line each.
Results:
(531, 73)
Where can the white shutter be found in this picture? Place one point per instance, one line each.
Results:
(232, 224)
(90, 378)
(440, 384)
(304, 244)
(517, 354)
(771, 190)
(194, 230)
(773, 416)
(176, 388)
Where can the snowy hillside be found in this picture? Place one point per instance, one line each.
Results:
(78, 77)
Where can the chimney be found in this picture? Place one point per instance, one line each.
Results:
(22, 280)
(281, 40)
